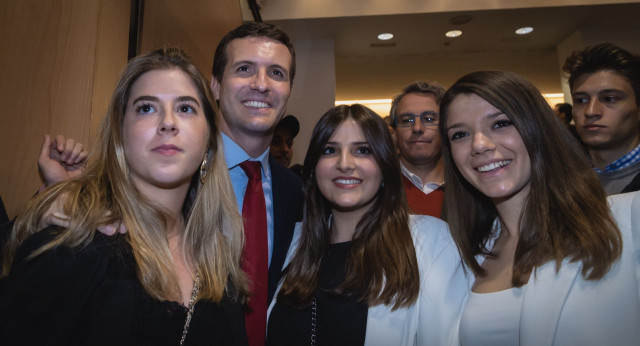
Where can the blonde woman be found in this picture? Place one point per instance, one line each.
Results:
(174, 277)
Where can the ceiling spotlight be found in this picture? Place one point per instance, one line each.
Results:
(524, 30)
(453, 33)
(385, 36)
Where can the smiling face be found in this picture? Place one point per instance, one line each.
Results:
(487, 149)
(255, 88)
(165, 132)
(347, 173)
(418, 144)
(605, 112)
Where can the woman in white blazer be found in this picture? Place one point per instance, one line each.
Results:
(359, 269)
(532, 223)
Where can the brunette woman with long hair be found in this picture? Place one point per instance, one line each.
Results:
(552, 264)
(173, 277)
(360, 270)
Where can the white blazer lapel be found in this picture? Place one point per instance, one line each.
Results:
(544, 298)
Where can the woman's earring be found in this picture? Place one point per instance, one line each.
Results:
(203, 168)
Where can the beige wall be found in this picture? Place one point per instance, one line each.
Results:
(60, 62)
(313, 91)
(197, 28)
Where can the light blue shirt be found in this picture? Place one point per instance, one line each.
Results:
(234, 156)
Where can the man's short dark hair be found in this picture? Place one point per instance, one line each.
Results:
(434, 89)
(605, 56)
(251, 29)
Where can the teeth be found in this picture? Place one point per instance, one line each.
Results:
(256, 104)
(347, 181)
(493, 166)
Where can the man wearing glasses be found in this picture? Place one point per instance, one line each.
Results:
(415, 115)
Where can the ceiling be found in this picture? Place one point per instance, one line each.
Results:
(367, 68)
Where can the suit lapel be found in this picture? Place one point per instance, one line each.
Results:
(287, 210)
(544, 299)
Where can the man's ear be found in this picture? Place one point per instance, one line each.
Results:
(215, 88)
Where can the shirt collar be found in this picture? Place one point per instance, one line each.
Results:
(235, 155)
(416, 179)
(627, 160)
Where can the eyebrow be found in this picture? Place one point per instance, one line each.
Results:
(253, 63)
(352, 143)
(187, 98)
(155, 99)
(490, 116)
(603, 91)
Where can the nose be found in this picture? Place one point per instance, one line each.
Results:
(482, 143)
(345, 161)
(168, 123)
(260, 81)
(417, 126)
(593, 108)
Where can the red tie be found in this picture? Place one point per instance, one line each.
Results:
(256, 253)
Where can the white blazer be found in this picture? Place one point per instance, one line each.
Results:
(564, 309)
(432, 320)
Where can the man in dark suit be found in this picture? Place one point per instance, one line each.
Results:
(252, 76)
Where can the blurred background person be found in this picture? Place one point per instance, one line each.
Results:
(282, 143)
(415, 115)
(605, 87)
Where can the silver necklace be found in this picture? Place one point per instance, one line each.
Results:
(192, 303)
(314, 322)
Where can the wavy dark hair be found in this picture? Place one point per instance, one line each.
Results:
(565, 214)
(381, 265)
(604, 56)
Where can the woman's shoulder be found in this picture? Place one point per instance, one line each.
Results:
(432, 240)
(625, 209)
(429, 229)
(63, 259)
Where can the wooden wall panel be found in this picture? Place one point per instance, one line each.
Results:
(61, 60)
(195, 25)
(50, 80)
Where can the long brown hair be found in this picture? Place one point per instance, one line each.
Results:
(565, 214)
(213, 235)
(381, 264)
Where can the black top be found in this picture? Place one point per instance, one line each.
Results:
(287, 210)
(91, 296)
(340, 320)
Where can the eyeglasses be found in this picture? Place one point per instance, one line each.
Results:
(427, 118)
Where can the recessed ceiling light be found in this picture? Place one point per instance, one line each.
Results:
(524, 30)
(453, 33)
(385, 36)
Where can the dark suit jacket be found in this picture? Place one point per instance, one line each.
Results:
(634, 185)
(287, 210)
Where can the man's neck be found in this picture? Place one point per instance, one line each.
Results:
(429, 172)
(600, 158)
(253, 145)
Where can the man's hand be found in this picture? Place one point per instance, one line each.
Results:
(61, 159)
(55, 216)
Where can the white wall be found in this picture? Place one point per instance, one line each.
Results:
(314, 89)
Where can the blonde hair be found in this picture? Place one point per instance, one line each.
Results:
(213, 236)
